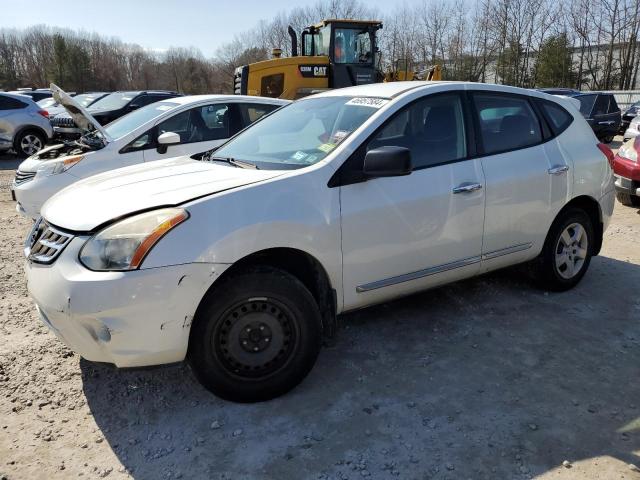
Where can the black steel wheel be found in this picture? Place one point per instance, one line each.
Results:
(256, 335)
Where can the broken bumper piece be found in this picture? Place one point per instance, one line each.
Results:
(130, 319)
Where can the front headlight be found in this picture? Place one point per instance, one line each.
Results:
(53, 167)
(125, 244)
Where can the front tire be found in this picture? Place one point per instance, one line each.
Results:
(567, 252)
(29, 142)
(628, 200)
(255, 336)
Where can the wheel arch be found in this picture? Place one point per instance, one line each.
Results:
(28, 128)
(592, 208)
(300, 264)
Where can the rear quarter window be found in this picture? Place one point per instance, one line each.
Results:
(557, 117)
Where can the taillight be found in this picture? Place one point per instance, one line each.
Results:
(629, 150)
(44, 113)
(607, 152)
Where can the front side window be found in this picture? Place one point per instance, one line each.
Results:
(506, 122)
(352, 46)
(302, 133)
(125, 125)
(272, 85)
(321, 41)
(431, 128)
(199, 124)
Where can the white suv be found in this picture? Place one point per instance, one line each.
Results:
(338, 201)
(174, 126)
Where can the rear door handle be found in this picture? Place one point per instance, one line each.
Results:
(608, 122)
(558, 169)
(467, 187)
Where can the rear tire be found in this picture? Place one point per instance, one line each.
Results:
(628, 200)
(255, 336)
(29, 142)
(567, 252)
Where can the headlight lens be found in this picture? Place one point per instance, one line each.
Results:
(628, 151)
(125, 244)
(53, 167)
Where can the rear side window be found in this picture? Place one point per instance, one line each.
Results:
(602, 105)
(586, 104)
(506, 122)
(559, 119)
(432, 128)
(613, 105)
(250, 112)
(9, 103)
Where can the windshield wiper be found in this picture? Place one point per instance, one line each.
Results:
(234, 162)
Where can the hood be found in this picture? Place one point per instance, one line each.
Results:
(78, 113)
(96, 200)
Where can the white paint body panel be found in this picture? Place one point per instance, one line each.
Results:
(32, 195)
(361, 233)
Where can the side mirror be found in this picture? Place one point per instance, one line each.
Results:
(166, 139)
(134, 106)
(387, 162)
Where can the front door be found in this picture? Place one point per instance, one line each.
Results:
(200, 128)
(403, 234)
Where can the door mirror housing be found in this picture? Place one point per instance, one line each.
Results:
(387, 162)
(134, 106)
(166, 139)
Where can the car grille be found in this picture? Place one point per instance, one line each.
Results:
(62, 121)
(45, 243)
(22, 177)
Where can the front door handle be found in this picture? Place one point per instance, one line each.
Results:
(558, 169)
(467, 187)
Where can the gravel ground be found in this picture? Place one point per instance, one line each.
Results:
(485, 379)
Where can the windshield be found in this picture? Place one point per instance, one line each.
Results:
(47, 102)
(302, 133)
(124, 125)
(87, 99)
(586, 103)
(113, 101)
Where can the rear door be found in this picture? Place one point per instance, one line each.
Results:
(526, 177)
(403, 234)
(605, 117)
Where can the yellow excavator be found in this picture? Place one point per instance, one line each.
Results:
(335, 54)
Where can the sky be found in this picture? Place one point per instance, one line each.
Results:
(155, 24)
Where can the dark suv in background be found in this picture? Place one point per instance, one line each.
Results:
(602, 113)
(109, 108)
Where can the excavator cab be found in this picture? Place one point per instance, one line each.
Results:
(335, 54)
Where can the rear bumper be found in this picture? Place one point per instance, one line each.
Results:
(130, 319)
(627, 175)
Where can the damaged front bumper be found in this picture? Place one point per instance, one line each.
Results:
(130, 319)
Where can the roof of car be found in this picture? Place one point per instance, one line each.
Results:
(187, 99)
(17, 96)
(394, 89)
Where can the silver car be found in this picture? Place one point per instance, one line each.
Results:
(24, 126)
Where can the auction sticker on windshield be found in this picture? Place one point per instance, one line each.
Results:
(368, 102)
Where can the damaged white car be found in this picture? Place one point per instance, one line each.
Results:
(176, 126)
(341, 200)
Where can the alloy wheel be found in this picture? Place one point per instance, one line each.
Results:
(30, 144)
(571, 251)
